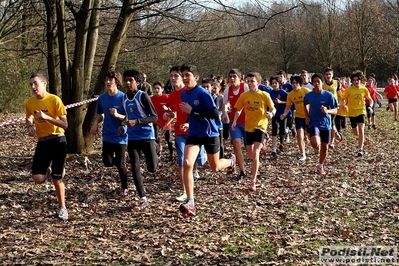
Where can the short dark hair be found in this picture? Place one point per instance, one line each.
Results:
(175, 68)
(298, 79)
(235, 71)
(255, 75)
(281, 72)
(328, 69)
(39, 75)
(132, 73)
(318, 75)
(158, 83)
(114, 74)
(190, 68)
(275, 78)
(207, 80)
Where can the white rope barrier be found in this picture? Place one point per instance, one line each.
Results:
(16, 120)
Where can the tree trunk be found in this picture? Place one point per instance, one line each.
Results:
(75, 139)
(117, 37)
(89, 62)
(52, 48)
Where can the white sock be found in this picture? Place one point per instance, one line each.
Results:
(190, 201)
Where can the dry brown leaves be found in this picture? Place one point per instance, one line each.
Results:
(293, 213)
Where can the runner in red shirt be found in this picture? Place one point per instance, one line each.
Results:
(160, 102)
(391, 92)
(374, 94)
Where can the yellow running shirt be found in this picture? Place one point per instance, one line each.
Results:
(296, 98)
(52, 106)
(333, 88)
(355, 100)
(255, 105)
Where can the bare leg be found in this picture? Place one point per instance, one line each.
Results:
(323, 152)
(60, 191)
(360, 128)
(190, 155)
(38, 178)
(300, 139)
(182, 178)
(315, 142)
(238, 154)
(217, 164)
(255, 160)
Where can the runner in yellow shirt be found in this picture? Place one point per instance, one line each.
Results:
(46, 118)
(296, 97)
(354, 96)
(334, 87)
(255, 102)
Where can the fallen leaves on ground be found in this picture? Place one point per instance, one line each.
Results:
(293, 213)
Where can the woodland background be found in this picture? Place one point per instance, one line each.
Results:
(76, 42)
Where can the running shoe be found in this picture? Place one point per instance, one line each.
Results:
(182, 197)
(274, 154)
(331, 145)
(242, 174)
(63, 213)
(373, 126)
(252, 187)
(281, 147)
(321, 170)
(232, 168)
(369, 126)
(339, 137)
(302, 158)
(196, 174)
(188, 209)
(360, 152)
(143, 203)
(123, 192)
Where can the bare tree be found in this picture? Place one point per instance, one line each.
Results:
(324, 23)
(365, 18)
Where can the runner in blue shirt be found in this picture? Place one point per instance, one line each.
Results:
(111, 113)
(202, 112)
(279, 97)
(140, 114)
(322, 105)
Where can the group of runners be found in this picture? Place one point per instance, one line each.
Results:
(204, 114)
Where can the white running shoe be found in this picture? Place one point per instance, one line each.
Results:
(63, 213)
(196, 174)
